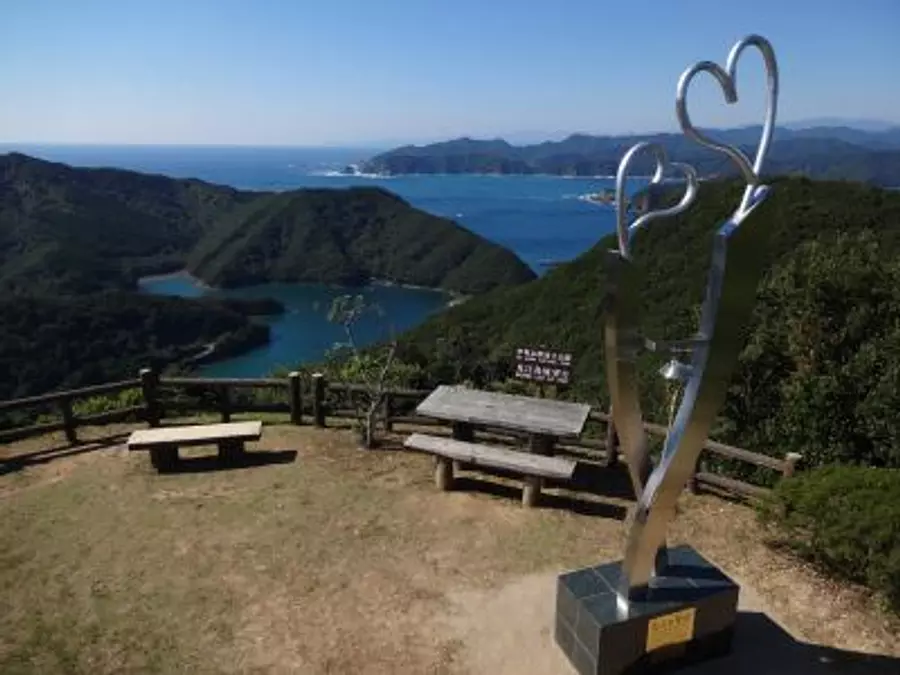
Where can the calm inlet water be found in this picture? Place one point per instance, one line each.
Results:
(540, 218)
(303, 333)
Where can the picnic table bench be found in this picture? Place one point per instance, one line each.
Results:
(544, 421)
(163, 442)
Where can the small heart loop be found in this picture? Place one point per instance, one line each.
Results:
(727, 79)
(623, 229)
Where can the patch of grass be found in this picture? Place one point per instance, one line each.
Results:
(108, 566)
(337, 562)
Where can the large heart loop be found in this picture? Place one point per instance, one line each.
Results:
(623, 229)
(727, 79)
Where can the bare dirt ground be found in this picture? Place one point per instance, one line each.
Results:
(323, 558)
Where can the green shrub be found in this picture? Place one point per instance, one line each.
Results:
(844, 519)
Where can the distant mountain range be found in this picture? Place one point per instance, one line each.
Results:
(863, 124)
(824, 152)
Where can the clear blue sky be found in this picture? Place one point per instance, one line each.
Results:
(298, 72)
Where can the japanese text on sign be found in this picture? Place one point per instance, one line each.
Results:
(670, 629)
(541, 365)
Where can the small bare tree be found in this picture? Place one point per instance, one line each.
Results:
(371, 368)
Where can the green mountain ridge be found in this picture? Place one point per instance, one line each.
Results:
(74, 242)
(352, 237)
(80, 230)
(823, 153)
(820, 372)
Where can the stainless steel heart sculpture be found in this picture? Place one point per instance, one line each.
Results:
(727, 79)
(662, 163)
(738, 258)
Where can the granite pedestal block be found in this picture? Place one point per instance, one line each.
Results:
(686, 616)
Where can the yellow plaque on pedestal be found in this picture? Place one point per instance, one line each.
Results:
(670, 629)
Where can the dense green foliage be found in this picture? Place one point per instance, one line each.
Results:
(844, 519)
(51, 343)
(826, 153)
(820, 373)
(349, 237)
(74, 242)
(81, 230)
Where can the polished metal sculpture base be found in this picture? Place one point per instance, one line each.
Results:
(686, 616)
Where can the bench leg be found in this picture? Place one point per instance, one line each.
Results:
(443, 473)
(164, 458)
(531, 493)
(462, 431)
(231, 452)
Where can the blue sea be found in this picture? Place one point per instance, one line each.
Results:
(540, 218)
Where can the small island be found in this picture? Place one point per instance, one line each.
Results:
(607, 197)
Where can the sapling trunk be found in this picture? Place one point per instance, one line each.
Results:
(347, 312)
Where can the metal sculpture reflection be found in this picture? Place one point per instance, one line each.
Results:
(727, 79)
(737, 262)
(621, 334)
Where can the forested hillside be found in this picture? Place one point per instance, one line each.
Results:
(349, 237)
(74, 242)
(820, 373)
(80, 230)
(64, 342)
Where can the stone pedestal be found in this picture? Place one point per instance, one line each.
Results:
(687, 616)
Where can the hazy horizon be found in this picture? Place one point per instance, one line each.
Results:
(295, 73)
(514, 138)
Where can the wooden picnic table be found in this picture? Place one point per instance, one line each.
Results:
(544, 420)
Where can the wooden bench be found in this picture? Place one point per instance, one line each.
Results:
(163, 443)
(534, 467)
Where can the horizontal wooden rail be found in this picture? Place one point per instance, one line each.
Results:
(309, 395)
(341, 387)
(109, 416)
(57, 396)
(730, 484)
(264, 408)
(729, 451)
(416, 420)
(253, 382)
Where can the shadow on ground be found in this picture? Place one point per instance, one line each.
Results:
(247, 460)
(567, 502)
(591, 480)
(762, 647)
(22, 461)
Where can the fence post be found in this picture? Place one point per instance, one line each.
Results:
(693, 483)
(149, 383)
(386, 411)
(69, 420)
(790, 464)
(319, 399)
(225, 403)
(296, 398)
(612, 441)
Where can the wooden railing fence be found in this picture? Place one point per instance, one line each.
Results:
(321, 400)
